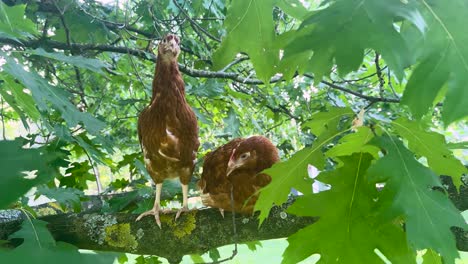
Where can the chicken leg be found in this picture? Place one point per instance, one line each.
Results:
(156, 207)
(184, 201)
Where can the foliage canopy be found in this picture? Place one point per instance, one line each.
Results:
(362, 90)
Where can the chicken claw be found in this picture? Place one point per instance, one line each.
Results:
(180, 211)
(154, 211)
(221, 211)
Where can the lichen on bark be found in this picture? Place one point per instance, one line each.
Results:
(119, 235)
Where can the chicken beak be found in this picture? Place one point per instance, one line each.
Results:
(231, 167)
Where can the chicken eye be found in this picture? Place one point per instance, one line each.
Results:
(245, 155)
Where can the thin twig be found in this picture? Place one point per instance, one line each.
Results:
(77, 71)
(3, 120)
(195, 24)
(359, 79)
(234, 62)
(379, 74)
(346, 90)
(95, 171)
(390, 83)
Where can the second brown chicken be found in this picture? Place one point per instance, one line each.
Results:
(239, 164)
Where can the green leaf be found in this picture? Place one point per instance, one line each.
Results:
(443, 60)
(214, 254)
(354, 143)
(84, 145)
(44, 93)
(82, 28)
(458, 145)
(147, 260)
(118, 203)
(250, 29)
(232, 123)
(66, 197)
(430, 75)
(11, 101)
(320, 121)
(358, 25)
(351, 222)
(13, 23)
(431, 257)
(39, 247)
(408, 192)
(142, 168)
(93, 65)
(432, 146)
(19, 98)
(253, 245)
(293, 8)
(15, 162)
(77, 176)
(210, 89)
(293, 172)
(197, 258)
(202, 117)
(457, 97)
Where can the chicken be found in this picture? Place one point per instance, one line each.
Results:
(237, 164)
(167, 127)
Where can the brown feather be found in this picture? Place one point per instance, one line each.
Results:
(167, 127)
(246, 179)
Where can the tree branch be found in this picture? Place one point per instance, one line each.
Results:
(189, 71)
(137, 53)
(195, 232)
(346, 90)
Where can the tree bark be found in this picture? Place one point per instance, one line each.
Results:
(194, 232)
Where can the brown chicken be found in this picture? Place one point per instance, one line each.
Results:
(237, 164)
(167, 128)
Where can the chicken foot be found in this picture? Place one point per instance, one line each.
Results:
(156, 207)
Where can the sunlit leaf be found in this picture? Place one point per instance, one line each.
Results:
(358, 25)
(45, 94)
(432, 146)
(252, 22)
(321, 121)
(431, 257)
(428, 213)
(13, 23)
(292, 173)
(18, 97)
(354, 143)
(443, 61)
(353, 200)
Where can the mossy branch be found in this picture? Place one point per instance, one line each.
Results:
(195, 232)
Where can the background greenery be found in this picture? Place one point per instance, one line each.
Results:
(367, 91)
